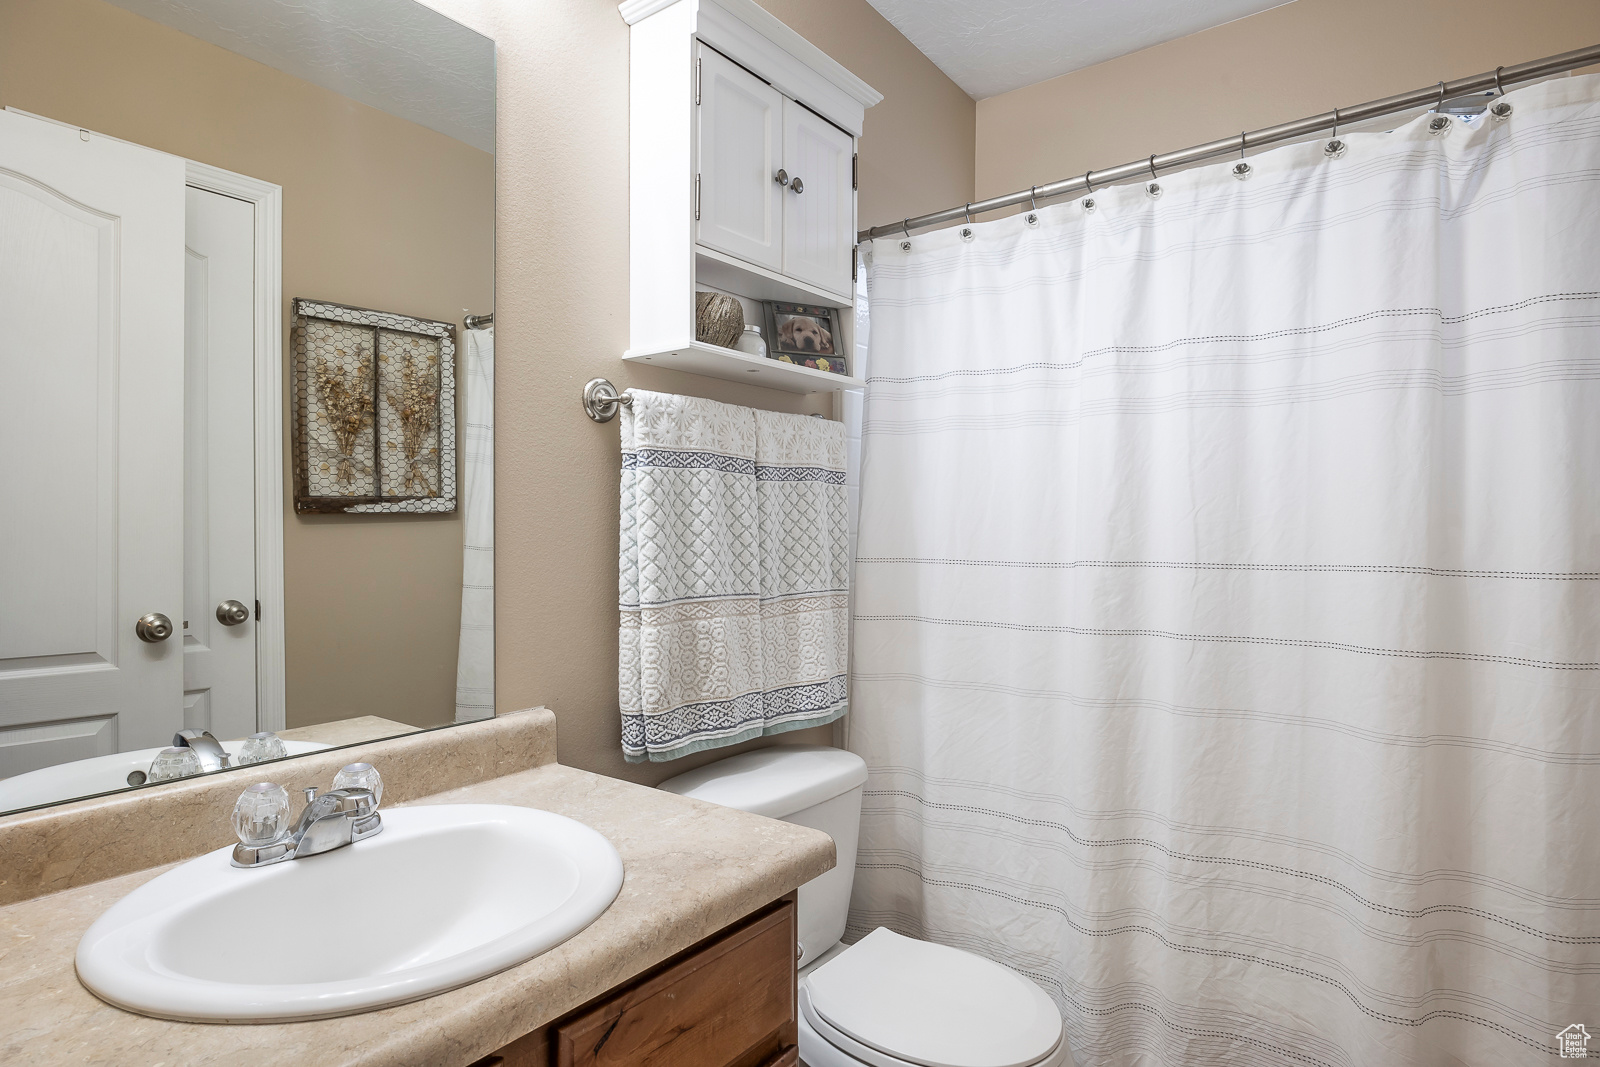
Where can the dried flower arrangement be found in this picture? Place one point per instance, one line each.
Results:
(416, 404)
(374, 410)
(346, 407)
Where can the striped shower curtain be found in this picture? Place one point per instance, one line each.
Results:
(475, 649)
(1227, 624)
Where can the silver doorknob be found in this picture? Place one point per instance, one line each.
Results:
(154, 627)
(782, 177)
(798, 186)
(232, 613)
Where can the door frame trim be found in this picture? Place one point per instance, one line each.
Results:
(268, 202)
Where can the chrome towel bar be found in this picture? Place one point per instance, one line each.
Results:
(601, 401)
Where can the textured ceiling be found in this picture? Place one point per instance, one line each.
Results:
(395, 55)
(993, 46)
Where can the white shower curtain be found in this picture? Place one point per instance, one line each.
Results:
(475, 653)
(1228, 599)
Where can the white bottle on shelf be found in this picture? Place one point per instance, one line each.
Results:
(750, 342)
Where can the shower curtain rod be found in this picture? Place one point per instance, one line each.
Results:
(1496, 80)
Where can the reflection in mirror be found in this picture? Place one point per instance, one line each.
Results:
(214, 554)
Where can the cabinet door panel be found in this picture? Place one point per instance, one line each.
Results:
(740, 119)
(818, 220)
(730, 1004)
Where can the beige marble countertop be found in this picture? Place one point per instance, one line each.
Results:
(349, 731)
(690, 869)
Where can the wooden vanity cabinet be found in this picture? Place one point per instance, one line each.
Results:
(727, 1002)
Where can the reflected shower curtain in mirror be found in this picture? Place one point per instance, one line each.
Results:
(475, 657)
(1228, 599)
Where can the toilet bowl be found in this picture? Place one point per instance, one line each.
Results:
(887, 1000)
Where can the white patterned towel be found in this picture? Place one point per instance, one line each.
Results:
(734, 574)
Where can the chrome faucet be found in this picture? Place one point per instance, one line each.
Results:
(213, 757)
(332, 820)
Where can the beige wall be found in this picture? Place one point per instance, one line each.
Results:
(1300, 59)
(377, 212)
(562, 318)
(917, 146)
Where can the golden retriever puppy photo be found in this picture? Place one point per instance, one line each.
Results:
(798, 333)
(803, 334)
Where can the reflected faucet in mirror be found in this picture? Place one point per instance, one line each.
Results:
(214, 756)
(208, 748)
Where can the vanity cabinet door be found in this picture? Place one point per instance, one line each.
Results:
(738, 201)
(819, 204)
(728, 1004)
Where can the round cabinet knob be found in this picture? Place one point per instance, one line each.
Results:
(232, 613)
(782, 177)
(798, 186)
(154, 627)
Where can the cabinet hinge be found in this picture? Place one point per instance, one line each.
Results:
(853, 158)
(697, 198)
(697, 82)
(855, 258)
(258, 611)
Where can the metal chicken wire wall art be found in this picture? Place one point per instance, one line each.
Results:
(374, 411)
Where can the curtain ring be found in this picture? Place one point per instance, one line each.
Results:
(969, 213)
(1336, 124)
(1241, 144)
(1440, 106)
(906, 226)
(1498, 88)
(1033, 197)
(1087, 183)
(1153, 173)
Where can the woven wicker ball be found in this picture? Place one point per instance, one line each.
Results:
(718, 319)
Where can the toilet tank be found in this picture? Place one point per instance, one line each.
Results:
(812, 785)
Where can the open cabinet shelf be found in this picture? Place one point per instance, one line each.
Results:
(698, 357)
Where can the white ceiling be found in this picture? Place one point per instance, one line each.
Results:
(395, 55)
(990, 47)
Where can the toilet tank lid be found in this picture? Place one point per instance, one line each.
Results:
(775, 782)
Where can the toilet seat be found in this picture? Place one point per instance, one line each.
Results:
(839, 1050)
(892, 1001)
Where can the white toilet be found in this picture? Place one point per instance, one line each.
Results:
(887, 1000)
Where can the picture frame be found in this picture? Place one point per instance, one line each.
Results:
(373, 397)
(806, 335)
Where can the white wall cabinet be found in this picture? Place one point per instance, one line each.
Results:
(742, 179)
(741, 134)
(819, 205)
(776, 181)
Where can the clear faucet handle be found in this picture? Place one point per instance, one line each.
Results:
(173, 763)
(261, 815)
(258, 748)
(361, 776)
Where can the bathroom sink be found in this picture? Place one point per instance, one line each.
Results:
(98, 774)
(443, 896)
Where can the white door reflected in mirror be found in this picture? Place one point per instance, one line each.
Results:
(219, 519)
(96, 436)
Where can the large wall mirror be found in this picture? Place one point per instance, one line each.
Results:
(246, 419)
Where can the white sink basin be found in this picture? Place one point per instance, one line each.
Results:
(443, 896)
(97, 774)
